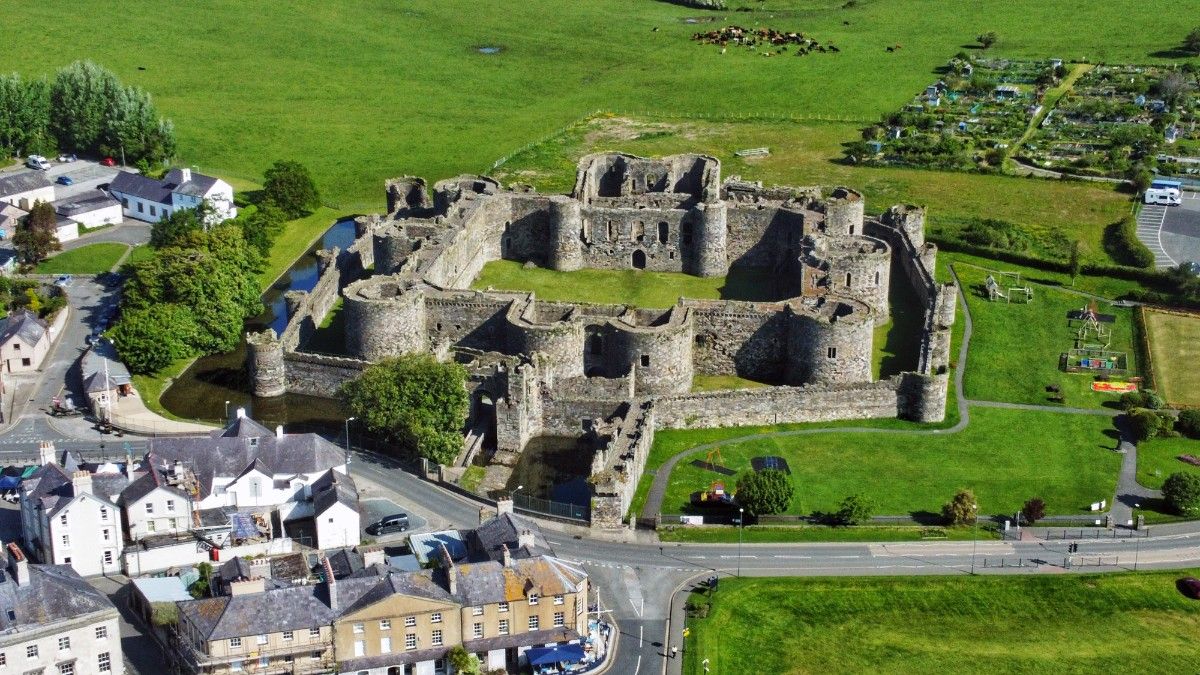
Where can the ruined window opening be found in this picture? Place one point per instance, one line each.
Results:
(638, 230)
(610, 230)
(439, 326)
(596, 346)
(832, 352)
(649, 182)
(877, 278)
(687, 234)
(851, 228)
(645, 360)
(848, 279)
(505, 246)
(664, 231)
(672, 255)
(639, 260)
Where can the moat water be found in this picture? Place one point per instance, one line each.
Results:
(554, 468)
(202, 391)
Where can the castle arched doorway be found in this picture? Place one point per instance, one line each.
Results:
(639, 260)
(483, 417)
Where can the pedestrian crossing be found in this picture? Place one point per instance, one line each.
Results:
(1149, 232)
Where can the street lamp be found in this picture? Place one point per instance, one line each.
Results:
(348, 421)
(741, 521)
(227, 412)
(974, 535)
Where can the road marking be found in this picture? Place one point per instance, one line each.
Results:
(641, 642)
(739, 556)
(1149, 232)
(794, 557)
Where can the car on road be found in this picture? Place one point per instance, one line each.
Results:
(67, 159)
(397, 522)
(63, 280)
(37, 162)
(65, 180)
(108, 161)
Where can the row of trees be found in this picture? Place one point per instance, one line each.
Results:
(84, 109)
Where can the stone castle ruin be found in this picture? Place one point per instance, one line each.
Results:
(615, 373)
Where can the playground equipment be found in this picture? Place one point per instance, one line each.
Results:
(715, 495)
(1016, 290)
(1092, 329)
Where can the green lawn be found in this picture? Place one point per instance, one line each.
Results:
(404, 90)
(139, 254)
(1015, 347)
(296, 238)
(1158, 459)
(959, 624)
(769, 534)
(718, 382)
(1173, 340)
(1070, 466)
(151, 387)
(90, 259)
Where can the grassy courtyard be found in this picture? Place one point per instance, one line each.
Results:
(962, 624)
(1174, 340)
(1070, 466)
(1015, 347)
(90, 259)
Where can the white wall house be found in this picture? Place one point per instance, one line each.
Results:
(152, 200)
(68, 517)
(23, 189)
(24, 342)
(90, 209)
(153, 506)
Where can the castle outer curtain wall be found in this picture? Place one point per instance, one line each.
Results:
(563, 368)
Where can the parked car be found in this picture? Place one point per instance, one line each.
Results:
(1189, 586)
(67, 159)
(37, 162)
(397, 522)
(63, 280)
(65, 180)
(108, 161)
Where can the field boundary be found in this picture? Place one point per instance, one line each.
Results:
(1147, 337)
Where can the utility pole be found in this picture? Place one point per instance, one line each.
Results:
(348, 421)
(741, 522)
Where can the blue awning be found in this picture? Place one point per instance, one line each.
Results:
(544, 656)
(10, 482)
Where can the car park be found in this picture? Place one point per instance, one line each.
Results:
(397, 522)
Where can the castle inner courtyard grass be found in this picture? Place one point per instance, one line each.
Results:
(958, 624)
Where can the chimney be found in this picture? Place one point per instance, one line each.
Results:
(483, 514)
(505, 556)
(185, 175)
(372, 555)
(18, 566)
(247, 587)
(451, 571)
(81, 483)
(504, 505)
(525, 539)
(46, 453)
(279, 431)
(128, 466)
(241, 412)
(330, 583)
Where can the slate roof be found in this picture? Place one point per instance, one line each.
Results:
(84, 203)
(137, 185)
(150, 481)
(487, 541)
(198, 186)
(22, 181)
(290, 608)
(230, 451)
(332, 488)
(489, 582)
(24, 324)
(54, 593)
(93, 371)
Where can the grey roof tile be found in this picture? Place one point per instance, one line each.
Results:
(22, 181)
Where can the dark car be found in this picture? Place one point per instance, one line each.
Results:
(108, 161)
(1189, 586)
(65, 180)
(397, 522)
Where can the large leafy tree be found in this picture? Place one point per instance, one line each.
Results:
(414, 399)
(962, 510)
(25, 115)
(35, 237)
(177, 228)
(764, 492)
(150, 339)
(1182, 493)
(260, 226)
(855, 509)
(79, 104)
(289, 186)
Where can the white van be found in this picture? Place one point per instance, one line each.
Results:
(1165, 196)
(37, 162)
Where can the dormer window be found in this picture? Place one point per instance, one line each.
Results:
(254, 442)
(533, 598)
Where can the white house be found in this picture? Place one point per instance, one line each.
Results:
(23, 189)
(152, 200)
(53, 622)
(24, 342)
(157, 502)
(335, 511)
(90, 209)
(70, 517)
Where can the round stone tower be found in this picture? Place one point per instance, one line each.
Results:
(830, 343)
(910, 219)
(548, 329)
(384, 318)
(264, 360)
(711, 253)
(844, 211)
(391, 248)
(657, 347)
(566, 227)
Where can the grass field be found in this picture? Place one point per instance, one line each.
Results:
(403, 89)
(1015, 347)
(961, 624)
(1174, 351)
(1158, 459)
(1070, 466)
(90, 259)
(768, 534)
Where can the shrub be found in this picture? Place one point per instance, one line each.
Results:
(1146, 398)
(1122, 244)
(1182, 493)
(855, 509)
(962, 510)
(1033, 510)
(1188, 423)
(764, 492)
(1145, 423)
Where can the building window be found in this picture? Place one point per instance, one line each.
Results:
(533, 622)
(62, 519)
(141, 207)
(124, 202)
(504, 607)
(385, 624)
(558, 599)
(31, 651)
(261, 639)
(645, 360)
(876, 278)
(66, 668)
(170, 506)
(149, 508)
(436, 638)
(477, 630)
(66, 541)
(16, 346)
(385, 645)
(316, 656)
(848, 278)
(108, 558)
(559, 620)
(101, 632)
(28, 362)
(236, 666)
(264, 661)
(663, 231)
(104, 513)
(288, 635)
(151, 526)
(533, 599)
(832, 352)
(410, 641)
(3, 659)
(104, 663)
(504, 626)
(410, 621)
(358, 628)
(153, 212)
(314, 633)
(360, 647)
(436, 617)
(105, 534)
(255, 487)
(235, 643)
(477, 610)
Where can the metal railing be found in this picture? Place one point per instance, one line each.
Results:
(547, 507)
